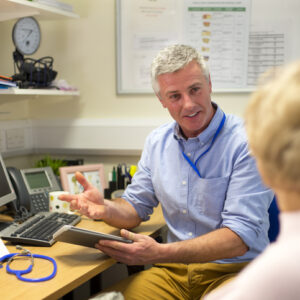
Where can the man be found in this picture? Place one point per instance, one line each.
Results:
(200, 170)
(273, 126)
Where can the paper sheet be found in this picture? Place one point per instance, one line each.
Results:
(3, 249)
(220, 30)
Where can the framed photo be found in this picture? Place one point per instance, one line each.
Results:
(93, 173)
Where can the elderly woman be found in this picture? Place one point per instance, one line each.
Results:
(273, 127)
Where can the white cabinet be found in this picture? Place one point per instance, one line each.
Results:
(14, 9)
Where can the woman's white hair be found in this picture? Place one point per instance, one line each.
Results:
(273, 127)
(174, 58)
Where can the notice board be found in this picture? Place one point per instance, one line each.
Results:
(240, 39)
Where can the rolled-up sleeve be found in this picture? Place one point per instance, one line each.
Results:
(247, 201)
(140, 193)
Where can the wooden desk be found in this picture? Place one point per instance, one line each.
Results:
(75, 264)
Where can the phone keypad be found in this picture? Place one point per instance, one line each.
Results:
(40, 202)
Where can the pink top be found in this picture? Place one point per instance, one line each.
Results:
(275, 274)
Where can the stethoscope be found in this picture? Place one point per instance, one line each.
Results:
(194, 164)
(26, 253)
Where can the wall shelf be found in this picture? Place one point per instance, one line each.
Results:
(13, 9)
(38, 92)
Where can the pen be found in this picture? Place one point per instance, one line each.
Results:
(132, 170)
(114, 174)
(120, 178)
(113, 182)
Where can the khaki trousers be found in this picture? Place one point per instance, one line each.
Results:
(177, 281)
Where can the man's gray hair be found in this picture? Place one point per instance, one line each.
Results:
(174, 58)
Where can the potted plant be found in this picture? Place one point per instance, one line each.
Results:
(48, 161)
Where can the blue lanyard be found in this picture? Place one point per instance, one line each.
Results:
(19, 273)
(194, 165)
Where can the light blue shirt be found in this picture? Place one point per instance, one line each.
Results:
(229, 194)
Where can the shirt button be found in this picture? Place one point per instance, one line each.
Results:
(190, 233)
(184, 211)
(184, 182)
(189, 154)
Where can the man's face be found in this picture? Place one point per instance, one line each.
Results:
(186, 95)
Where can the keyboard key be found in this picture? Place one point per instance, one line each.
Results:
(39, 229)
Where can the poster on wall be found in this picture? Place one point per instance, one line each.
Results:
(145, 27)
(220, 30)
(224, 32)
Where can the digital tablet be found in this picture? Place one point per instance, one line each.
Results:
(83, 237)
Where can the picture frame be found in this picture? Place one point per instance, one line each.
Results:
(94, 173)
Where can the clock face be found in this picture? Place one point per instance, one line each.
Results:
(27, 35)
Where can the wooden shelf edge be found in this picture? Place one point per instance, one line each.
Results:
(11, 10)
(38, 92)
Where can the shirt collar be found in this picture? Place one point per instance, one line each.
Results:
(209, 132)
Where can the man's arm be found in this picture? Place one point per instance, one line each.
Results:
(219, 244)
(121, 214)
(90, 202)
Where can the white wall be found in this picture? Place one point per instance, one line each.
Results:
(84, 52)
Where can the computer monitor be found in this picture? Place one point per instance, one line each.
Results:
(7, 193)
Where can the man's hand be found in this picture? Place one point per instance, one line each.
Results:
(143, 250)
(90, 202)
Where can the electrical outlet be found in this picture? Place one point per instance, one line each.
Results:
(15, 138)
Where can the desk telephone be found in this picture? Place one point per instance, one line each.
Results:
(32, 187)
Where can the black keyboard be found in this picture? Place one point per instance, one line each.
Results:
(38, 229)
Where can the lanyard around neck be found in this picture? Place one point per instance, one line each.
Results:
(194, 165)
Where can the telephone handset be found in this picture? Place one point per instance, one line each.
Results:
(19, 188)
(32, 187)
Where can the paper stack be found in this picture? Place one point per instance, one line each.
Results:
(57, 4)
(6, 82)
